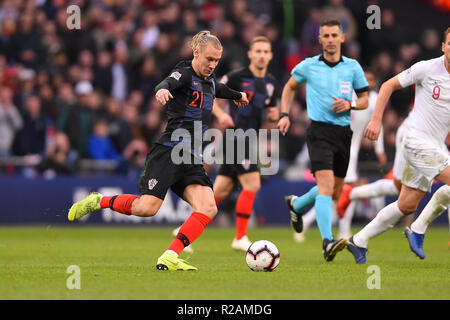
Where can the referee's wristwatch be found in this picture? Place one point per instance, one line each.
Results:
(353, 105)
(283, 114)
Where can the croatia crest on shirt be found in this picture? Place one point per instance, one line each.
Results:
(152, 183)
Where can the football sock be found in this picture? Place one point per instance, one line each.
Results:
(119, 203)
(334, 216)
(383, 187)
(345, 223)
(384, 220)
(244, 207)
(191, 229)
(324, 216)
(437, 204)
(217, 201)
(306, 200)
(310, 216)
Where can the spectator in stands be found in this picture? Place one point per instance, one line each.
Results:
(56, 160)
(10, 121)
(48, 102)
(27, 79)
(100, 144)
(146, 78)
(190, 24)
(339, 11)
(119, 129)
(119, 69)
(130, 114)
(31, 139)
(390, 35)
(27, 42)
(76, 119)
(430, 45)
(103, 73)
(310, 32)
(151, 30)
(151, 127)
(7, 30)
(165, 57)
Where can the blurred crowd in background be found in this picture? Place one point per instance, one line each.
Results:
(81, 102)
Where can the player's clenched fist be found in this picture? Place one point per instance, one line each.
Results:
(373, 129)
(163, 95)
(243, 101)
(283, 124)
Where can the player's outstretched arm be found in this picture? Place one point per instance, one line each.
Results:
(243, 101)
(225, 92)
(163, 95)
(175, 80)
(373, 129)
(287, 97)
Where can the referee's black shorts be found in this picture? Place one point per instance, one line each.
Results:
(160, 174)
(329, 147)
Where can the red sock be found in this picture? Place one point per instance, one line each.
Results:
(191, 229)
(244, 206)
(120, 203)
(217, 201)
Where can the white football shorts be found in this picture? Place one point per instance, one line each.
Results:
(425, 159)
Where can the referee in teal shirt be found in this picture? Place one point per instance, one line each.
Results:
(330, 81)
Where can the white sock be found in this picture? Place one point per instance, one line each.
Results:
(437, 204)
(334, 216)
(383, 187)
(384, 220)
(345, 224)
(309, 218)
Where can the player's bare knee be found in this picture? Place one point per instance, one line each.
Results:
(147, 212)
(327, 191)
(144, 208)
(407, 207)
(150, 212)
(221, 194)
(255, 187)
(210, 209)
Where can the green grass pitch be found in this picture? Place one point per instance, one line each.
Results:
(119, 263)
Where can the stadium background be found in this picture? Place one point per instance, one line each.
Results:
(60, 86)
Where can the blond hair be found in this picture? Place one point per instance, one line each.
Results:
(259, 39)
(204, 37)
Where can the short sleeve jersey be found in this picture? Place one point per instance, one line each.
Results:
(325, 80)
(431, 112)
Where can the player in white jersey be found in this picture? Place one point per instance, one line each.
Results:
(426, 159)
(380, 188)
(359, 122)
